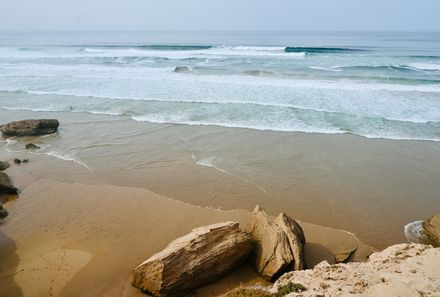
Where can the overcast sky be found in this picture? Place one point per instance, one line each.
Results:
(234, 15)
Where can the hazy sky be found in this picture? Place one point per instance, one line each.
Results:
(289, 15)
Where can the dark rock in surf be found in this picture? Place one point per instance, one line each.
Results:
(17, 161)
(31, 146)
(5, 185)
(4, 165)
(182, 69)
(3, 213)
(30, 127)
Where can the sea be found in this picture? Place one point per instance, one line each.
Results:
(377, 85)
(340, 129)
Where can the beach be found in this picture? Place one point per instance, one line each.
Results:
(70, 238)
(159, 136)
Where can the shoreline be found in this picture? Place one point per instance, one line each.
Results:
(352, 179)
(59, 236)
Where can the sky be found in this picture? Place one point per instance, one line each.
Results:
(220, 15)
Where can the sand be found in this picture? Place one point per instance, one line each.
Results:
(73, 239)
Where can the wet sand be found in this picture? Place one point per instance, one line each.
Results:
(371, 187)
(72, 239)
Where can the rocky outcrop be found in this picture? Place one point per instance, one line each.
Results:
(30, 127)
(4, 165)
(5, 185)
(201, 257)
(31, 146)
(426, 232)
(278, 244)
(400, 270)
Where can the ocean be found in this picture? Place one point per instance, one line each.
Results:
(377, 85)
(337, 129)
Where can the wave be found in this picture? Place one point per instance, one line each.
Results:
(409, 67)
(425, 66)
(66, 157)
(320, 50)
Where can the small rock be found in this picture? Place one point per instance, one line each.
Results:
(17, 161)
(25, 161)
(5, 185)
(31, 146)
(346, 256)
(182, 69)
(425, 232)
(4, 165)
(3, 212)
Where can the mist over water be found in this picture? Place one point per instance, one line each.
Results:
(379, 85)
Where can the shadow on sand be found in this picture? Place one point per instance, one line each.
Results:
(8, 267)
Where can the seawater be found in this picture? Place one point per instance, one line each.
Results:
(379, 85)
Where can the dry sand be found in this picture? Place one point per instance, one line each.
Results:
(71, 239)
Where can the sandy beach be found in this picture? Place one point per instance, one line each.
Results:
(73, 239)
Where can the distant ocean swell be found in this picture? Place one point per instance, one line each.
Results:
(371, 92)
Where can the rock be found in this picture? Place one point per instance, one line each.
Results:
(182, 69)
(414, 232)
(3, 212)
(279, 244)
(25, 161)
(425, 232)
(17, 161)
(198, 258)
(346, 256)
(31, 146)
(431, 228)
(4, 165)
(30, 127)
(6, 186)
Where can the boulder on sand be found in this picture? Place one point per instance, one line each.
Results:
(279, 244)
(4, 165)
(30, 127)
(5, 185)
(196, 259)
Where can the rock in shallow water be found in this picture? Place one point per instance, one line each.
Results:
(4, 165)
(3, 213)
(5, 185)
(196, 259)
(30, 127)
(31, 146)
(426, 232)
(279, 244)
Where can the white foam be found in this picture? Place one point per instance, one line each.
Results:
(66, 157)
(425, 66)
